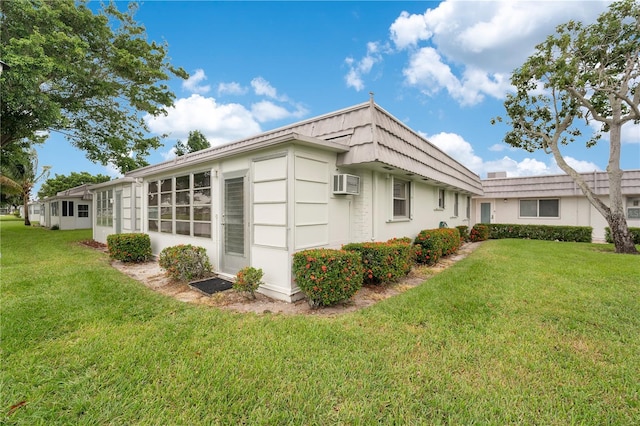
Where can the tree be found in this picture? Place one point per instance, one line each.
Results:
(91, 77)
(196, 142)
(584, 72)
(61, 182)
(19, 174)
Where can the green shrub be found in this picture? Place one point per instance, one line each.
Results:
(383, 262)
(248, 280)
(579, 234)
(134, 247)
(479, 232)
(464, 232)
(327, 276)
(55, 227)
(432, 244)
(635, 233)
(185, 262)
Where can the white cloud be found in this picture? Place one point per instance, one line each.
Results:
(262, 87)
(220, 123)
(462, 151)
(268, 111)
(232, 88)
(498, 147)
(358, 69)
(113, 171)
(470, 48)
(192, 84)
(630, 132)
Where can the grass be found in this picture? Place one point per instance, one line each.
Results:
(519, 332)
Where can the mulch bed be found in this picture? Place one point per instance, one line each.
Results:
(94, 244)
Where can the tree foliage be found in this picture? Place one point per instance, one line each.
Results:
(582, 73)
(62, 182)
(91, 77)
(18, 175)
(196, 142)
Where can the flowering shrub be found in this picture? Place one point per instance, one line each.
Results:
(327, 276)
(383, 262)
(432, 244)
(248, 280)
(185, 262)
(129, 247)
(479, 232)
(464, 232)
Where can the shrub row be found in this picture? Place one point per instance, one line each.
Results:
(432, 244)
(479, 232)
(464, 232)
(185, 262)
(327, 276)
(635, 233)
(580, 234)
(383, 262)
(133, 247)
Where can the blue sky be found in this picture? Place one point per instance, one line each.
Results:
(442, 68)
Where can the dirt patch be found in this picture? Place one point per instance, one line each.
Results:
(153, 276)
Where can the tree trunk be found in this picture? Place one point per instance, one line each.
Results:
(622, 238)
(25, 202)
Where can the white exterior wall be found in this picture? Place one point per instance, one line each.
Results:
(130, 214)
(574, 211)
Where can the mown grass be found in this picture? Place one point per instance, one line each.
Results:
(520, 332)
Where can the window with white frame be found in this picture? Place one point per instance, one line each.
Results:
(83, 210)
(441, 194)
(54, 208)
(180, 205)
(540, 208)
(455, 204)
(468, 207)
(67, 208)
(401, 199)
(104, 208)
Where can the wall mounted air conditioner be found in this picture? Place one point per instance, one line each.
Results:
(346, 184)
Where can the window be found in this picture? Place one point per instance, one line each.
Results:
(180, 205)
(54, 208)
(455, 204)
(441, 194)
(468, 207)
(540, 208)
(67, 208)
(83, 210)
(401, 194)
(104, 208)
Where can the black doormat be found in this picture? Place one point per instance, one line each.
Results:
(210, 286)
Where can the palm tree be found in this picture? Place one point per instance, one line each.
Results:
(19, 174)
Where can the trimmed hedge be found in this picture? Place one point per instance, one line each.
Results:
(579, 234)
(185, 262)
(135, 247)
(464, 232)
(432, 244)
(327, 276)
(383, 262)
(479, 232)
(635, 233)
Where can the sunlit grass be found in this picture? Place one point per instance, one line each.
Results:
(519, 332)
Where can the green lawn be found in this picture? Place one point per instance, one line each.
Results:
(519, 332)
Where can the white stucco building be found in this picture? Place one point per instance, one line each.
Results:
(358, 174)
(553, 200)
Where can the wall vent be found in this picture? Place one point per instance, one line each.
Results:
(346, 184)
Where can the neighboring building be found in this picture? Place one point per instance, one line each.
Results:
(70, 209)
(358, 174)
(553, 200)
(34, 211)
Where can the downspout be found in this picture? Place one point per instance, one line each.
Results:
(374, 176)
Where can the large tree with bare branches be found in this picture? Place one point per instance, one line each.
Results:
(583, 73)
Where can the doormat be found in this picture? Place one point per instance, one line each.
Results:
(210, 286)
